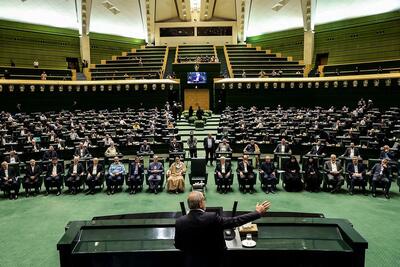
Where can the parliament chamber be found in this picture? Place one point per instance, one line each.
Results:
(113, 112)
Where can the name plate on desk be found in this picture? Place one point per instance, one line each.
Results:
(248, 229)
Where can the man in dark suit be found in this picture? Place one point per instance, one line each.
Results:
(54, 176)
(81, 151)
(9, 180)
(380, 174)
(75, 175)
(283, 147)
(199, 234)
(246, 175)
(135, 177)
(13, 157)
(356, 173)
(155, 171)
(174, 146)
(145, 148)
(209, 147)
(267, 175)
(95, 175)
(223, 173)
(317, 149)
(351, 151)
(49, 154)
(32, 175)
(333, 170)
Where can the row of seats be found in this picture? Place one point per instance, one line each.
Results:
(359, 68)
(144, 63)
(248, 62)
(18, 73)
(195, 53)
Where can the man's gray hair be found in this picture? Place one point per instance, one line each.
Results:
(194, 199)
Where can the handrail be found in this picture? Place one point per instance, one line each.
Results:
(97, 82)
(228, 62)
(176, 54)
(164, 66)
(312, 79)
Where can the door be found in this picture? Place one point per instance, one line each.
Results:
(197, 97)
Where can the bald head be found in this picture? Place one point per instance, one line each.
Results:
(195, 200)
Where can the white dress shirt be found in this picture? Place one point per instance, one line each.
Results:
(334, 167)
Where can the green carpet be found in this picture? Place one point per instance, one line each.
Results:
(31, 227)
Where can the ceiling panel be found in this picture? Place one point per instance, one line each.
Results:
(225, 9)
(166, 10)
(126, 23)
(57, 13)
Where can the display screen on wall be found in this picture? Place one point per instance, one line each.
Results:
(175, 32)
(214, 31)
(196, 77)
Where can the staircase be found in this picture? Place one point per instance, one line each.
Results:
(222, 59)
(210, 126)
(170, 60)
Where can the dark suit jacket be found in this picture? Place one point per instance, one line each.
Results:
(200, 235)
(350, 168)
(100, 169)
(36, 171)
(79, 169)
(347, 152)
(145, 149)
(315, 151)
(8, 159)
(11, 174)
(132, 169)
(376, 170)
(85, 152)
(228, 167)
(205, 143)
(267, 168)
(278, 148)
(240, 167)
(48, 155)
(386, 155)
(60, 169)
(175, 147)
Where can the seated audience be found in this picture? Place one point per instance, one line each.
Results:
(246, 175)
(145, 148)
(268, 175)
(174, 146)
(115, 178)
(95, 175)
(356, 173)
(54, 176)
(82, 151)
(317, 149)
(32, 176)
(155, 170)
(380, 175)
(111, 151)
(351, 151)
(283, 147)
(311, 175)
(334, 170)
(223, 174)
(176, 176)
(291, 178)
(12, 157)
(135, 177)
(74, 176)
(49, 154)
(9, 181)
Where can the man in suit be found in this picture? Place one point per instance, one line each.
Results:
(317, 149)
(9, 180)
(81, 151)
(209, 146)
(49, 154)
(155, 172)
(32, 175)
(283, 147)
(333, 170)
(145, 148)
(95, 175)
(199, 234)
(223, 173)
(115, 177)
(356, 173)
(192, 144)
(134, 179)
(380, 174)
(386, 153)
(54, 176)
(351, 151)
(174, 146)
(75, 175)
(13, 157)
(246, 175)
(267, 175)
